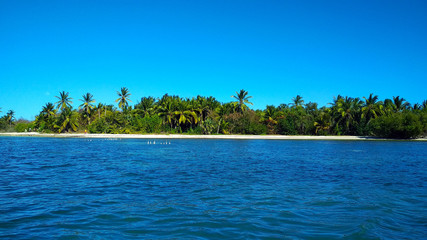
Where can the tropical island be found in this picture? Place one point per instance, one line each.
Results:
(171, 114)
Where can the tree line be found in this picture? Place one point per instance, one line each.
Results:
(367, 116)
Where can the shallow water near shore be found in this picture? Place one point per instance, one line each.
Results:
(211, 189)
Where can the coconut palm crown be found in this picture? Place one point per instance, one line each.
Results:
(123, 98)
(87, 105)
(242, 99)
(64, 101)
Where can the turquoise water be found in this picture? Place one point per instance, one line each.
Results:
(54, 188)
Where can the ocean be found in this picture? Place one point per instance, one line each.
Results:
(76, 188)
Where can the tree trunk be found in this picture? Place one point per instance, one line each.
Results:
(219, 125)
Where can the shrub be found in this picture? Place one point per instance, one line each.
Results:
(152, 124)
(197, 130)
(245, 123)
(24, 126)
(398, 125)
(208, 126)
(286, 126)
(99, 126)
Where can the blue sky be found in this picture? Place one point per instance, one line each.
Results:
(273, 49)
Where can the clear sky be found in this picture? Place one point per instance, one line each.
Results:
(273, 49)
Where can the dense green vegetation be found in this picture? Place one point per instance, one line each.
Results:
(391, 118)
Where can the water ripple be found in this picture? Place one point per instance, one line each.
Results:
(209, 189)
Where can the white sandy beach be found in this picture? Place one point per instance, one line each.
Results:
(182, 136)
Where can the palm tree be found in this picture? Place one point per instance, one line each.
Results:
(48, 110)
(67, 121)
(184, 114)
(212, 103)
(204, 106)
(146, 105)
(166, 112)
(242, 99)
(400, 104)
(388, 107)
(166, 106)
(46, 117)
(64, 101)
(220, 113)
(371, 108)
(283, 107)
(297, 101)
(347, 109)
(334, 104)
(106, 108)
(101, 107)
(270, 114)
(200, 106)
(10, 117)
(417, 107)
(311, 108)
(87, 105)
(324, 121)
(123, 98)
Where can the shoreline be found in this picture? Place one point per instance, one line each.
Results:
(184, 136)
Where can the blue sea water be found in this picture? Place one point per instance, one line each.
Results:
(56, 188)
